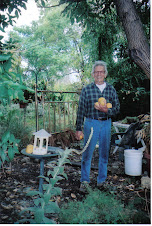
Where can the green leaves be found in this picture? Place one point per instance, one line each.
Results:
(38, 216)
(10, 89)
(45, 203)
(13, 12)
(8, 147)
(98, 207)
(4, 57)
(43, 3)
(52, 207)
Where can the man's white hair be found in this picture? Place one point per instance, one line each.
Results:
(100, 63)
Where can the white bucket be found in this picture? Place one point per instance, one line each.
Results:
(133, 162)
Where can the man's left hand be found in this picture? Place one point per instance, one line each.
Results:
(102, 108)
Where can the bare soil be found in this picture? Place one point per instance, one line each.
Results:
(25, 172)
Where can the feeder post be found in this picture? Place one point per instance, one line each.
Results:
(41, 174)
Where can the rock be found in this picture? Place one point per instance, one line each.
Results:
(145, 182)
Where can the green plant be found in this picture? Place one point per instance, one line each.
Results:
(12, 119)
(8, 147)
(43, 203)
(97, 208)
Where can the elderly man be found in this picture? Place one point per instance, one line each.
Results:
(97, 116)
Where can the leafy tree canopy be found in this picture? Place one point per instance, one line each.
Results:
(12, 9)
(49, 46)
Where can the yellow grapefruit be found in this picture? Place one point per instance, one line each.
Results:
(81, 137)
(97, 104)
(102, 101)
(29, 149)
(109, 105)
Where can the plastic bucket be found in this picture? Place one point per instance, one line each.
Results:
(133, 162)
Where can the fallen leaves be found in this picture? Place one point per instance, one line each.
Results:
(73, 195)
(6, 207)
(25, 174)
(130, 187)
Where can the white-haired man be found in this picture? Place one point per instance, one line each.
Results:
(98, 117)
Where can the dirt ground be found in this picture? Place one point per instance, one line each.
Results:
(25, 172)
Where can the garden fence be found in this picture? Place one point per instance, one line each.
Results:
(58, 115)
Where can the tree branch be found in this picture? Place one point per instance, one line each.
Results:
(52, 6)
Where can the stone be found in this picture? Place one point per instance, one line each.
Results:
(145, 182)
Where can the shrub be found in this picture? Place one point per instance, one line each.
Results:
(11, 120)
(8, 147)
(97, 208)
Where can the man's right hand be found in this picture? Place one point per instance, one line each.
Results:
(79, 135)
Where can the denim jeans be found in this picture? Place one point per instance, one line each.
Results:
(101, 133)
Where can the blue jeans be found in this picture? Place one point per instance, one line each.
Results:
(101, 132)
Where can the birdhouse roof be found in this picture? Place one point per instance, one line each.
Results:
(42, 133)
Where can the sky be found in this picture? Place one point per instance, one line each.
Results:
(26, 17)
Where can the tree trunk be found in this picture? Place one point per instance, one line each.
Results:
(138, 45)
(99, 47)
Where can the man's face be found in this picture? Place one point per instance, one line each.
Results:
(99, 75)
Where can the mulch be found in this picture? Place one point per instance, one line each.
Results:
(25, 171)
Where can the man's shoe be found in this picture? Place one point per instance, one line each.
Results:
(101, 185)
(84, 187)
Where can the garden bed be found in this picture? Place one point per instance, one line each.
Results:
(25, 172)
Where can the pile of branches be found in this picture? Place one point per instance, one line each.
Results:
(144, 132)
(64, 139)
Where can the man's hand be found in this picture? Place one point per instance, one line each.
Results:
(79, 135)
(102, 108)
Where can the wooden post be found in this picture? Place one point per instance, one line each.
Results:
(64, 116)
(68, 114)
(54, 118)
(43, 111)
(49, 117)
(36, 106)
(73, 112)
